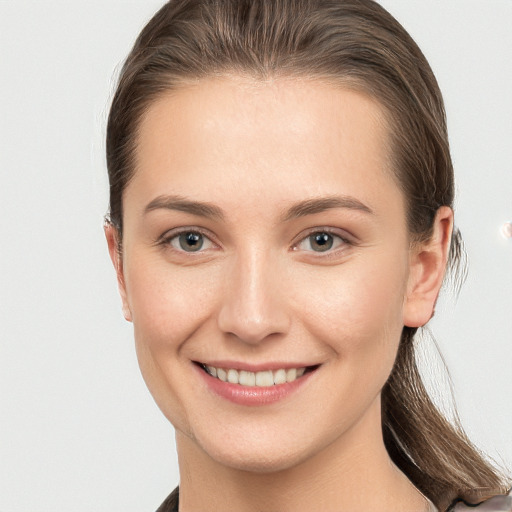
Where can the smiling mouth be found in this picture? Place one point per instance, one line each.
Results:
(265, 378)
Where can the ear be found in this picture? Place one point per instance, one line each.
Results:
(426, 271)
(114, 248)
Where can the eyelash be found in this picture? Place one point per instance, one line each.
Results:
(166, 240)
(168, 237)
(344, 242)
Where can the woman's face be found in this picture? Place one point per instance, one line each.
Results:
(263, 232)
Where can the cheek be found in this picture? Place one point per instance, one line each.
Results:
(168, 303)
(357, 308)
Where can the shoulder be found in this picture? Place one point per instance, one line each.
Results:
(495, 504)
(171, 502)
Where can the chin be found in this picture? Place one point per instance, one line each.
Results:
(258, 462)
(257, 454)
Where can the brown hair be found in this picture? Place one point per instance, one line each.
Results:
(357, 44)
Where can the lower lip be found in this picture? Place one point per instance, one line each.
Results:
(252, 395)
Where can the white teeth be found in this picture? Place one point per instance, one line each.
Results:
(291, 374)
(246, 378)
(222, 375)
(280, 377)
(263, 379)
(232, 376)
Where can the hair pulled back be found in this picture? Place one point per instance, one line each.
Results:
(351, 43)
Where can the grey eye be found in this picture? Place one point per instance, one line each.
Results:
(321, 242)
(189, 241)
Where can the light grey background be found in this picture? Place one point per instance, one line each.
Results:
(78, 430)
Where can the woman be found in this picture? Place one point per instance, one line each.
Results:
(280, 222)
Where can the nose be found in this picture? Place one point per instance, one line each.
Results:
(254, 301)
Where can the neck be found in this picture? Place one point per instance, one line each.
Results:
(353, 473)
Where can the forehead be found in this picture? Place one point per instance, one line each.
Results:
(287, 138)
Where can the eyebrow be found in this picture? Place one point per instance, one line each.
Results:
(322, 204)
(179, 203)
(300, 209)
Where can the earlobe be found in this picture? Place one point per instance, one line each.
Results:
(427, 269)
(113, 242)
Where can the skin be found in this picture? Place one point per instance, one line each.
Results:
(259, 292)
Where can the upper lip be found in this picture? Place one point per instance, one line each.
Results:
(250, 367)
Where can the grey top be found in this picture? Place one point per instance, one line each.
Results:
(495, 504)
